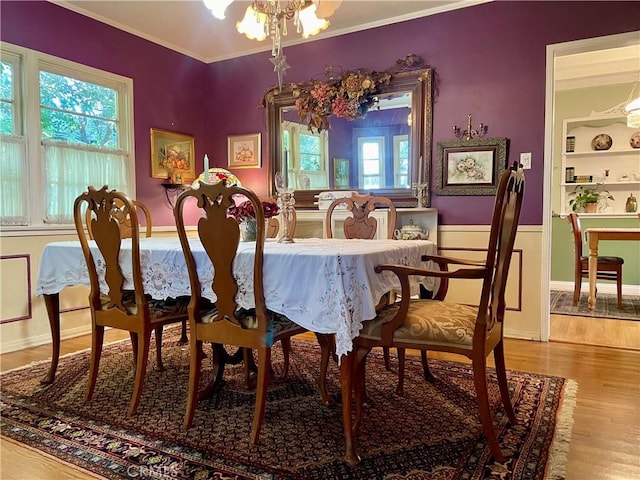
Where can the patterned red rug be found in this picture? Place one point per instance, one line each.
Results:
(432, 432)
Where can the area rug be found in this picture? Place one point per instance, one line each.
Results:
(606, 306)
(432, 432)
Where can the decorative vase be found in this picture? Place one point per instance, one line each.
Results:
(249, 229)
(632, 204)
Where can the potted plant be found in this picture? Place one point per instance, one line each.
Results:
(586, 199)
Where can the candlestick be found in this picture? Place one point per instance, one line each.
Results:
(206, 168)
(286, 168)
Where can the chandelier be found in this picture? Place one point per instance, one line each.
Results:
(632, 108)
(269, 18)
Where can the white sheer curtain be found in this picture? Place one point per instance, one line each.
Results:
(14, 208)
(70, 168)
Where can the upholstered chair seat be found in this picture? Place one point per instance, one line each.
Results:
(428, 322)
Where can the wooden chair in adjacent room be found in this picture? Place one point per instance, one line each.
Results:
(228, 324)
(121, 215)
(436, 324)
(609, 268)
(130, 310)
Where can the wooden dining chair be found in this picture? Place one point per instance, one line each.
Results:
(130, 310)
(436, 324)
(121, 215)
(609, 267)
(227, 323)
(360, 224)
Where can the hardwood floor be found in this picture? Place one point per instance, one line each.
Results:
(605, 443)
(608, 332)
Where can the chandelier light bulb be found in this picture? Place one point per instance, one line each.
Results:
(253, 24)
(311, 24)
(217, 7)
(633, 113)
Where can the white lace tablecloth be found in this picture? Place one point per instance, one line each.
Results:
(325, 285)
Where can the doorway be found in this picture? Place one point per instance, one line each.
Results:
(610, 60)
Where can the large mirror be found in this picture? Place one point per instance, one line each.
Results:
(386, 151)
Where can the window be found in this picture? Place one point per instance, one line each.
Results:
(401, 161)
(70, 123)
(307, 156)
(371, 162)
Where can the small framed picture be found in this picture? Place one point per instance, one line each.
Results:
(340, 173)
(244, 151)
(470, 167)
(172, 153)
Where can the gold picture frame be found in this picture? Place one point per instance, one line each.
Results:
(244, 151)
(172, 154)
(340, 173)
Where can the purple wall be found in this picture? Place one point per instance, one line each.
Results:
(490, 60)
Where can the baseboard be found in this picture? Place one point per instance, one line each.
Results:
(44, 339)
(609, 288)
(521, 334)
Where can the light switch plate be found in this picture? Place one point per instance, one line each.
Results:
(525, 160)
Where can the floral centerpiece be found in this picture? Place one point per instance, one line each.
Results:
(245, 215)
(245, 210)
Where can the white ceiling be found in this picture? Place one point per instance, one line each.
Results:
(188, 27)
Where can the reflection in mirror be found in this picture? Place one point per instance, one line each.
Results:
(365, 154)
(385, 152)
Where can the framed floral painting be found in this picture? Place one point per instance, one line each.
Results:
(244, 151)
(470, 167)
(172, 155)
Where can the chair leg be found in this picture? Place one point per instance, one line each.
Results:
(134, 347)
(501, 373)
(264, 363)
(327, 349)
(359, 383)
(577, 285)
(158, 335)
(97, 339)
(401, 359)
(387, 358)
(194, 380)
(183, 333)
(286, 350)
(482, 394)
(428, 376)
(144, 339)
(619, 286)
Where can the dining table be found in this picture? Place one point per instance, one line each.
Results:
(596, 235)
(325, 285)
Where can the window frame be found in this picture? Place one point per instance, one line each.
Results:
(32, 62)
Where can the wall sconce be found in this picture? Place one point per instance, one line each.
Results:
(173, 188)
(469, 133)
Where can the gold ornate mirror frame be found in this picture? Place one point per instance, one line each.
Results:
(409, 79)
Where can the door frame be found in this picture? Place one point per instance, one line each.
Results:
(553, 51)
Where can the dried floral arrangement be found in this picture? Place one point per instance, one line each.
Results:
(348, 94)
(245, 210)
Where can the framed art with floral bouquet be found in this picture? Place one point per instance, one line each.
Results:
(243, 151)
(172, 155)
(470, 167)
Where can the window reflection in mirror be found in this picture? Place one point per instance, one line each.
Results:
(366, 154)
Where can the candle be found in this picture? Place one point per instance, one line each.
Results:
(285, 168)
(206, 168)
